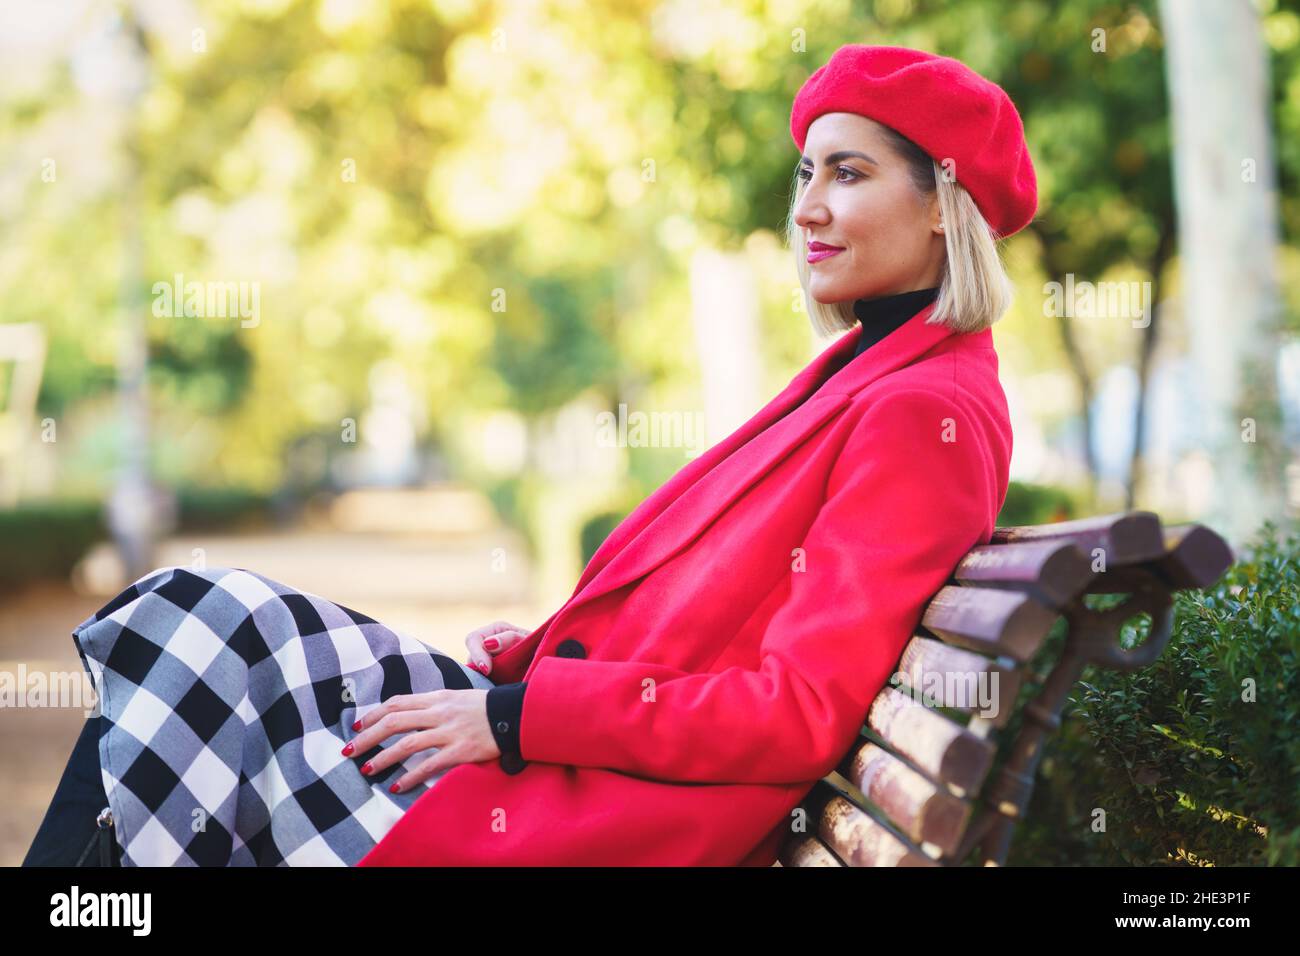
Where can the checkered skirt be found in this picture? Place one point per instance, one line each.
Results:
(227, 698)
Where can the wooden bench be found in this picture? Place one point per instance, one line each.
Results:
(931, 781)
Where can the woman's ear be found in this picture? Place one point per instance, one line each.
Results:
(936, 216)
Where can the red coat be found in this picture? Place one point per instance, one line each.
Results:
(738, 624)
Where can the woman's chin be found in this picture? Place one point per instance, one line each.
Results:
(824, 294)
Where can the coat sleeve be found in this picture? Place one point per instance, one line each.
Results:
(908, 496)
(510, 665)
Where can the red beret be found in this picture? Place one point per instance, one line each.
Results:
(943, 106)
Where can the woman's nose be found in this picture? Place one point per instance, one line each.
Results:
(809, 210)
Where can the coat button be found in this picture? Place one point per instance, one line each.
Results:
(571, 648)
(512, 763)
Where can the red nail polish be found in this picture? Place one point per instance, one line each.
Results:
(356, 725)
(491, 643)
(367, 767)
(347, 751)
(394, 788)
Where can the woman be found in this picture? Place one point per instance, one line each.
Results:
(721, 648)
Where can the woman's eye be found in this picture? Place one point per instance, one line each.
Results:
(805, 173)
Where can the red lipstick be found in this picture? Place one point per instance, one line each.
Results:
(818, 251)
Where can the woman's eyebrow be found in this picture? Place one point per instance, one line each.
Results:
(836, 157)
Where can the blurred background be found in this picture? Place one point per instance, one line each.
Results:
(408, 302)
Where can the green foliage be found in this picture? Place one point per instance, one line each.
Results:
(1035, 504)
(223, 509)
(506, 495)
(550, 352)
(207, 368)
(46, 538)
(1188, 768)
(383, 169)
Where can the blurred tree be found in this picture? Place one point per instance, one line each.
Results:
(503, 199)
(1229, 231)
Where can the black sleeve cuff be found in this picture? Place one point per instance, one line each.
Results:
(505, 705)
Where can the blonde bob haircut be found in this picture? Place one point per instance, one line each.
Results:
(975, 290)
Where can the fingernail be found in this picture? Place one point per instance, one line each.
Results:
(347, 751)
(394, 788)
(367, 767)
(491, 643)
(356, 725)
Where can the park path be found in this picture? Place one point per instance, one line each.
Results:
(432, 563)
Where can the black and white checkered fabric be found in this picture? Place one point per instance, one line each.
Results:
(227, 697)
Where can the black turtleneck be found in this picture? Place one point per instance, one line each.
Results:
(879, 317)
(884, 314)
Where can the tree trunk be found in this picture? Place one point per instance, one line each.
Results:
(1083, 378)
(132, 505)
(1160, 259)
(1225, 190)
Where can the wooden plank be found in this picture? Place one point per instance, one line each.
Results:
(1195, 557)
(1127, 537)
(940, 748)
(921, 810)
(1057, 570)
(806, 851)
(993, 622)
(858, 838)
(959, 679)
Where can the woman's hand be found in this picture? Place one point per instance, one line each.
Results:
(455, 721)
(486, 642)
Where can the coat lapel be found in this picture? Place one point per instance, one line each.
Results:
(680, 509)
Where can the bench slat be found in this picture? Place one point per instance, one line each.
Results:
(922, 811)
(1127, 537)
(941, 748)
(952, 677)
(855, 836)
(808, 851)
(1057, 569)
(1195, 557)
(993, 622)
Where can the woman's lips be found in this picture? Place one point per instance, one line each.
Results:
(818, 251)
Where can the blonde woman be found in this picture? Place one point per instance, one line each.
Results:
(721, 649)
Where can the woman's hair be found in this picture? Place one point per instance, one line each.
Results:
(975, 290)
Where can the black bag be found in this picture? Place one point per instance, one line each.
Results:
(103, 841)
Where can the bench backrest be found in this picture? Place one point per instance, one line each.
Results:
(930, 781)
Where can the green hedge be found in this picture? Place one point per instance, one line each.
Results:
(1187, 771)
(45, 539)
(1036, 504)
(222, 509)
